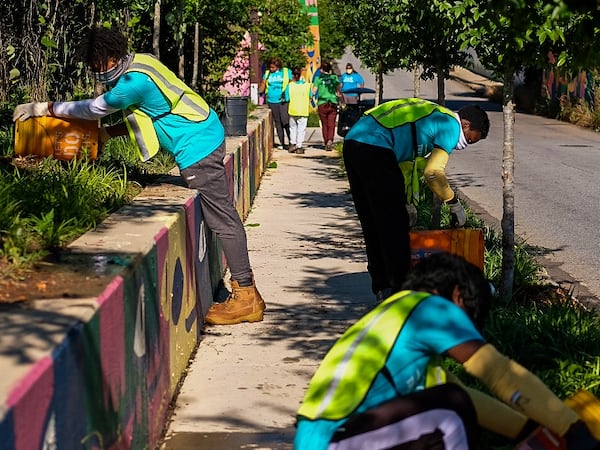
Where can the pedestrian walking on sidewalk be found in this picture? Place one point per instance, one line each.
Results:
(393, 132)
(274, 84)
(381, 385)
(159, 110)
(299, 93)
(326, 89)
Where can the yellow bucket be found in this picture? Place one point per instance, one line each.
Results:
(62, 139)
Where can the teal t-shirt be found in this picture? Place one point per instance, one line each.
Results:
(433, 327)
(275, 88)
(437, 130)
(187, 141)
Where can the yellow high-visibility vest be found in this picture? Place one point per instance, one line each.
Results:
(347, 372)
(182, 100)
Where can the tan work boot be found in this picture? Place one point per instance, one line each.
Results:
(243, 305)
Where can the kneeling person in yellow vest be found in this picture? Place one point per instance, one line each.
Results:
(160, 110)
(380, 386)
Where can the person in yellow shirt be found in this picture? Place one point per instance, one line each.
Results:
(298, 93)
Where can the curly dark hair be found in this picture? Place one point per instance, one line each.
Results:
(442, 272)
(100, 44)
(478, 118)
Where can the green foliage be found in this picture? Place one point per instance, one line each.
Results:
(120, 156)
(333, 41)
(313, 120)
(437, 48)
(366, 23)
(559, 342)
(47, 206)
(284, 31)
(527, 269)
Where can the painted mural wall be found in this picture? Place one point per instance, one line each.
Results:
(313, 52)
(109, 382)
(557, 83)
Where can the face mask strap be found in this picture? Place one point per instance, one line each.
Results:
(113, 74)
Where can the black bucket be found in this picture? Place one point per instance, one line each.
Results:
(236, 116)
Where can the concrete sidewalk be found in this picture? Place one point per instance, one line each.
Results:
(247, 381)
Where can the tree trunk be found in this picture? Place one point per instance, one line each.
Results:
(508, 194)
(379, 85)
(196, 55)
(181, 40)
(441, 88)
(156, 31)
(417, 81)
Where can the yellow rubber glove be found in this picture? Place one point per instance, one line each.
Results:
(519, 388)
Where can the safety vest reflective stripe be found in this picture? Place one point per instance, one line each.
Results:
(183, 100)
(400, 112)
(141, 132)
(286, 79)
(347, 372)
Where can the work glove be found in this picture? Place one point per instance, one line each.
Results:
(459, 217)
(579, 437)
(26, 110)
(412, 215)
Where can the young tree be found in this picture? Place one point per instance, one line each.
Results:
(376, 31)
(283, 29)
(333, 41)
(431, 30)
(508, 35)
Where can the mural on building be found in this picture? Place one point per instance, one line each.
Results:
(558, 83)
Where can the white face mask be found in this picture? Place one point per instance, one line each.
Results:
(462, 141)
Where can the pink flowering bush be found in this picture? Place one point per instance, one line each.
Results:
(236, 81)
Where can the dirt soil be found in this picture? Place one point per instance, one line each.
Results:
(46, 280)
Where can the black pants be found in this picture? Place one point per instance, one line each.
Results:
(377, 186)
(281, 120)
(440, 418)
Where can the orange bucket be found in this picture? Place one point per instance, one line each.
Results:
(467, 243)
(62, 139)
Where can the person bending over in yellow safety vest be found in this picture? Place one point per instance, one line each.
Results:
(386, 136)
(161, 111)
(380, 385)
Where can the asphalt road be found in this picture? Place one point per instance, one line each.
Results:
(556, 197)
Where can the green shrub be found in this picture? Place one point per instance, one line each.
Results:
(47, 206)
(313, 120)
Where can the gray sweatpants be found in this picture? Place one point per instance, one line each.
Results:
(208, 177)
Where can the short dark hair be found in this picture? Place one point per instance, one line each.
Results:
(325, 67)
(442, 272)
(478, 118)
(102, 43)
